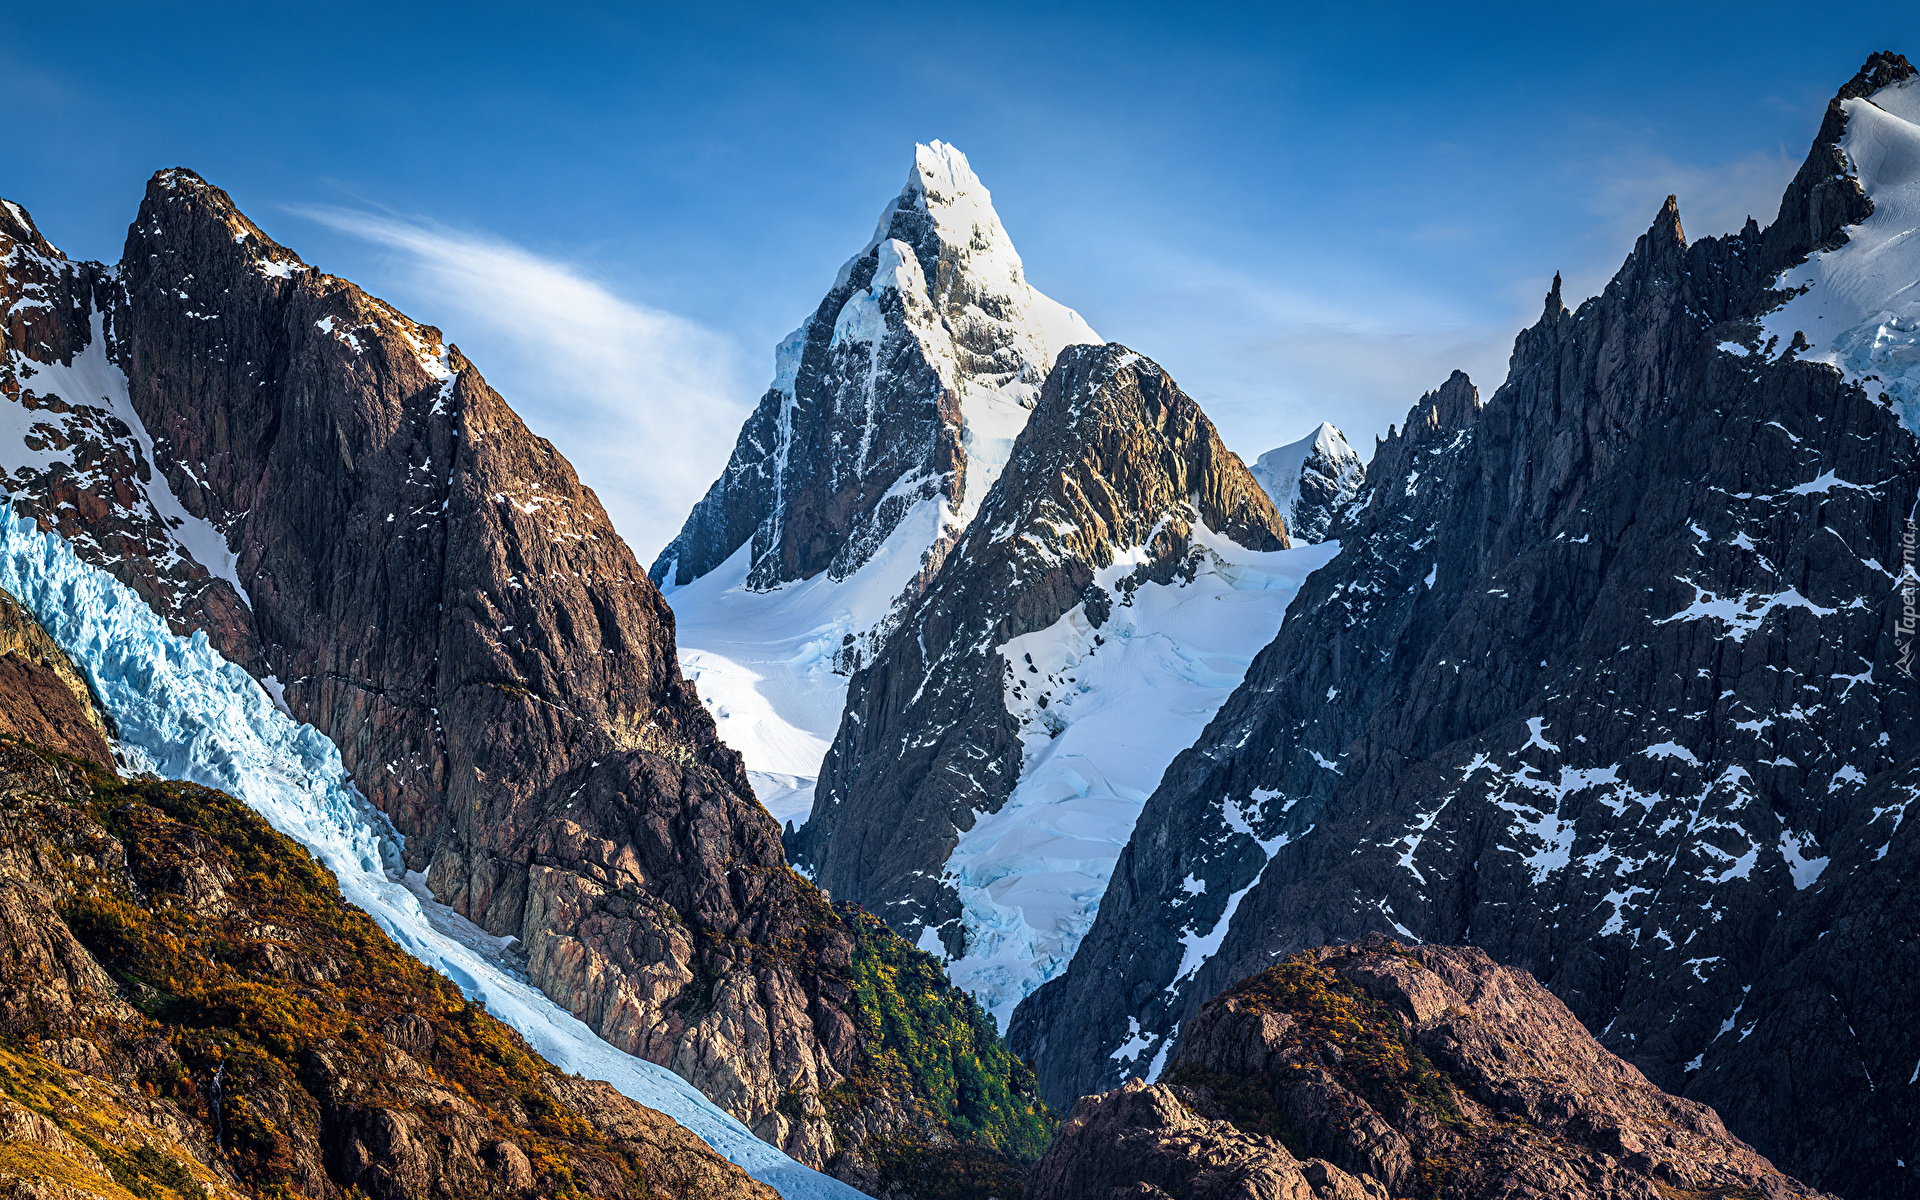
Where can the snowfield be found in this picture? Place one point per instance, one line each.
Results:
(1860, 310)
(187, 713)
(1102, 714)
(763, 662)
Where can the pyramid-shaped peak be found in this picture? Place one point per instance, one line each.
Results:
(944, 205)
(943, 172)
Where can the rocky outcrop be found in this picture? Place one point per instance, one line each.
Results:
(1374, 1070)
(900, 394)
(54, 705)
(1147, 1142)
(1605, 680)
(1117, 464)
(76, 456)
(191, 1008)
(430, 585)
(1312, 482)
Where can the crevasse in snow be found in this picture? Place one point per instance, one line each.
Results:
(1860, 303)
(185, 712)
(1102, 713)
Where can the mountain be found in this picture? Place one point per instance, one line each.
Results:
(893, 409)
(428, 583)
(906, 386)
(1312, 482)
(76, 453)
(1369, 1070)
(995, 751)
(1608, 679)
(192, 1009)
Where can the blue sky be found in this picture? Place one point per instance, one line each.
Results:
(1305, 212)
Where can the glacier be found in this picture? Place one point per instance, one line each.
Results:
(187, 713)
(764, 661)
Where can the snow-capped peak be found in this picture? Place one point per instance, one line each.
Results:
(1859, 304)
(1311, 481)
(894, 406)
(942, 187)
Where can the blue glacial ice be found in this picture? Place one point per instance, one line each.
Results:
(185, 712)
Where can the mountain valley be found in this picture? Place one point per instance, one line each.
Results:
(999, 786)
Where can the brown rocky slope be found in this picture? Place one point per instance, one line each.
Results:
(1370, 1070)
(188, 1008)
(443, 598)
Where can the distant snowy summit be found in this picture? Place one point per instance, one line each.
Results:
(894, 405)
(1312, 481)
(893, 409)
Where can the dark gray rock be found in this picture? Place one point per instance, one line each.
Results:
(1115, 457)
(1604, 680)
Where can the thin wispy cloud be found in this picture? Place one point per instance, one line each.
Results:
(644, 403)
(1625, 190)
(1269, 358)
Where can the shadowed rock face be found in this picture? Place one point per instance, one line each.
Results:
(1605, 680)
(1371, 1070)
(438, 593)
(1115, 459)
(72, 460)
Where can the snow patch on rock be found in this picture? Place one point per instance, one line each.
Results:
(1859, 305)
(1103, 710)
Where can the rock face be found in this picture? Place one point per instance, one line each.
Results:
(898, 398)
(1605, 679)
(1371, 1070)
(430, 585)
(1312, 482)
(49, 703)
(189, 1005)
(1117, 465)
(1118, 484)
(1159, 1141)
(77, 456)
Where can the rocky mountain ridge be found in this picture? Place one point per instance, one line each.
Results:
(1604, 680)
(1118, 481)
(428, 583)
(1366, 1071)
